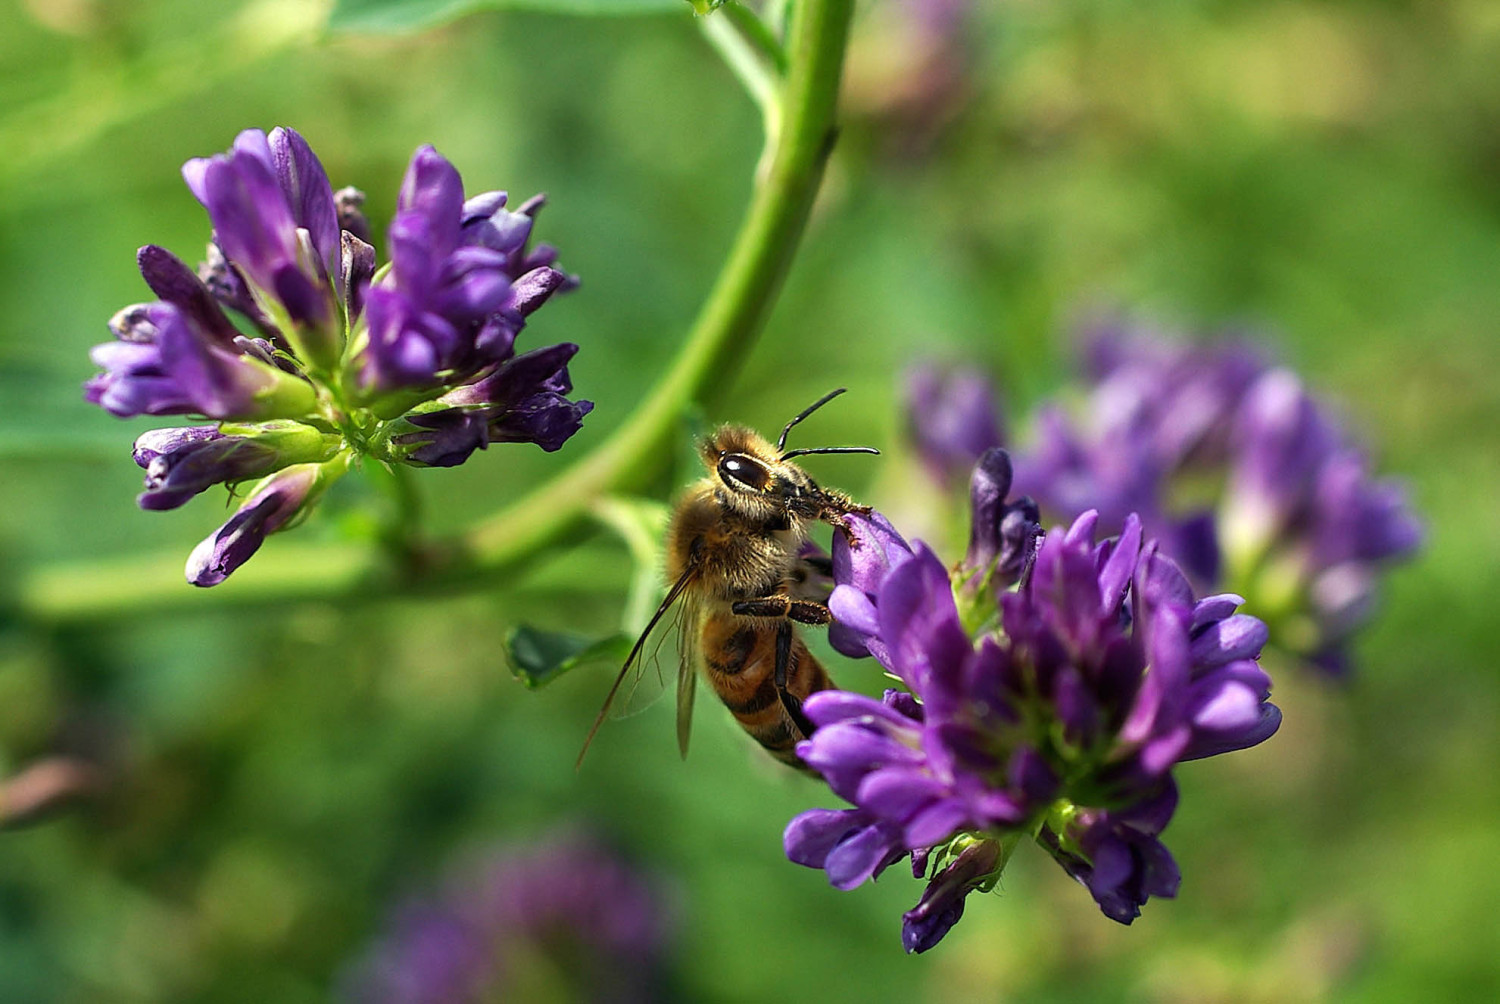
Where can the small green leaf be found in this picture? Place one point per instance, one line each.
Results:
(537, 656)
(706, 6)
(397, 16)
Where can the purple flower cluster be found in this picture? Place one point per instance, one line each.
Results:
(1303, 524)
(565, 920)
(1239, 474)
(309, 356)
(1056, 707)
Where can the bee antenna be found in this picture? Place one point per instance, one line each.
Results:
(808, 411)
(829, 449)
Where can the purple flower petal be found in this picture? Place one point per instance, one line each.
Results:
(860, 856)
(919, 620)
(1237, 637)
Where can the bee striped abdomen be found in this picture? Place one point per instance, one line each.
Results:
(739, 659)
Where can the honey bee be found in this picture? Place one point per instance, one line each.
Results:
(737, 572)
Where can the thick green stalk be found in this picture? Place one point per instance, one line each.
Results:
(557, 511)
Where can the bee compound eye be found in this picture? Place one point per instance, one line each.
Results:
(743, 471)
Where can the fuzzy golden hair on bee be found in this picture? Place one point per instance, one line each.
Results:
(736, 569)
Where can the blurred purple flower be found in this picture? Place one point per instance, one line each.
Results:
(1156, 410)
(953, 418)
(564, 920)
(1235, 470)
(1303, 511)
(911, 68)
(1104, 673)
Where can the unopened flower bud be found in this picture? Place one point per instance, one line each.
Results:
(181, 462)
(272, 504)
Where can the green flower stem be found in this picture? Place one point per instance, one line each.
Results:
(753, 51)
(757, 32)
(401, 529)
(745, 54)
(558, 511)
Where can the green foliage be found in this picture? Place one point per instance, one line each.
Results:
(399, 16)
(537, 656)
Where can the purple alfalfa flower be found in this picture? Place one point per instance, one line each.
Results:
(1002, 543)
(275, 219)
(163, 362)
(290, 332)
(459, 289)
(523, 400)
(1117, 855)
(1003, 535)
(568, 907)
(182, 461)
(1100, 674)
(1156, 410)
(852, 845)
(967, 864)
(1280, 505)
(952, 418)
(272, 505)
(1140, 673)
(1304, 523)
(864, 551)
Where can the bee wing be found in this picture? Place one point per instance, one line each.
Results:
(672, 596)
(687, 673)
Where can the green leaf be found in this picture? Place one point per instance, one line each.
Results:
(397, 16)
(537, 656)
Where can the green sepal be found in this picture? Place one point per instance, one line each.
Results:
(538, 656)
(946, 854)
(323, 475)
(1059, 819)
(294, 442)
(281, 395)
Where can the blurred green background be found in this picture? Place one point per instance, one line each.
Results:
(1325, 172)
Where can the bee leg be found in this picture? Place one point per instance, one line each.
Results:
(809, 612)
(801, 611)
(786, 610)
(789, 700)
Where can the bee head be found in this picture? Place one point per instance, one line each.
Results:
(753, 478)
(759, 480)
